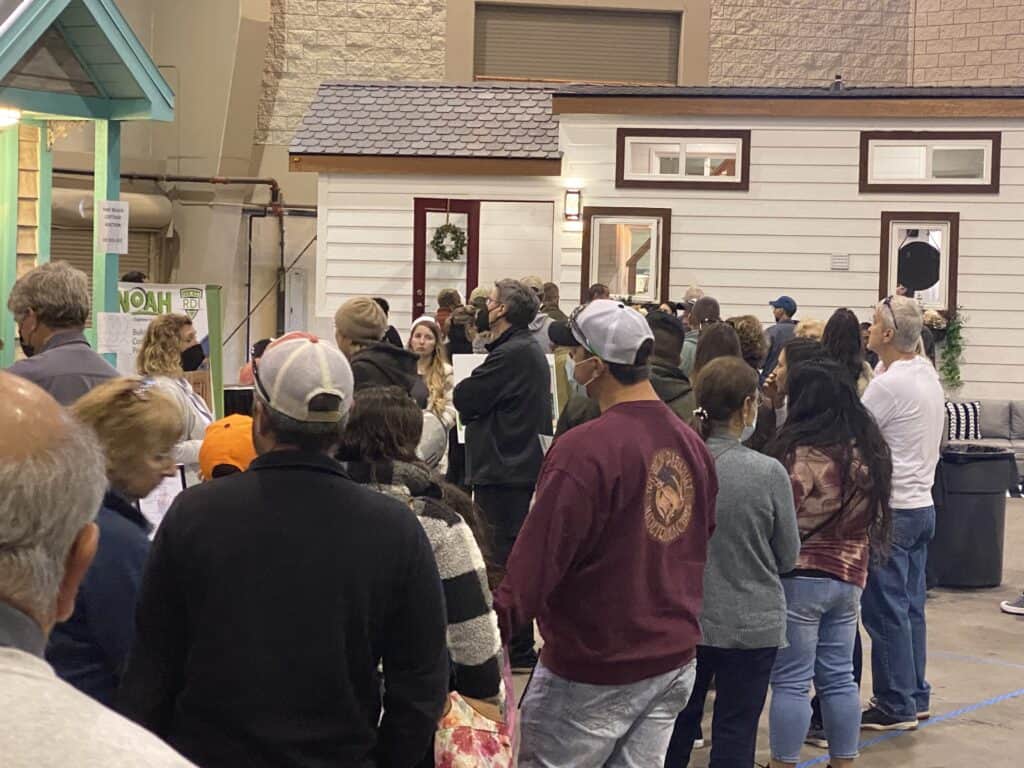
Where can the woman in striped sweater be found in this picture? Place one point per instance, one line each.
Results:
(379, 450)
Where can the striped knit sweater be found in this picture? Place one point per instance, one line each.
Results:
(474, 643)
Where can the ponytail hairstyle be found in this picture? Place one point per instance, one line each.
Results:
(722, 387)
(826, 414)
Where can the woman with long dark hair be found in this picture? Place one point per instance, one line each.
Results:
(841, 471)
(843, 343)
(378, 447)
(756, 538)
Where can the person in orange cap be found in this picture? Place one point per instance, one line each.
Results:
(227, 447)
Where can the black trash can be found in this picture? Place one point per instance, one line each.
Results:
(970, 516)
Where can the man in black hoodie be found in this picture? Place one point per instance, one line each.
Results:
(506, 405)
(359, 326)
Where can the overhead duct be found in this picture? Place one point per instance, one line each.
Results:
(74, 208)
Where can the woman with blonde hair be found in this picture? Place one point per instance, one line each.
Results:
(426, 342)
(137, 426)
(159, 361)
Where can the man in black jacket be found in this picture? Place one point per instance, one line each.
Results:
(359, 326)
(506, 406)
(271, 598)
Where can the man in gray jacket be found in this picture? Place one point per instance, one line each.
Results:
(50, 305)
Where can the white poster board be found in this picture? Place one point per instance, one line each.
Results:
(154, 507)
(463, 367)
(121, 333)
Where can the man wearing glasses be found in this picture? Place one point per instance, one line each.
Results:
(506, 405)
(908, 404)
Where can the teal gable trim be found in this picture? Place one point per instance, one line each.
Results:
(145, 94)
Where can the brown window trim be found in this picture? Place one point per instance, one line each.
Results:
(866, 137)
(665, 261)
(725, 186)
(952, 255)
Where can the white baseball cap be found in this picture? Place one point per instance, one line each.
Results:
(295, 371)
(606, 328)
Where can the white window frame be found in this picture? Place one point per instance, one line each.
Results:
(657, 151)
(654, 283)
(896, 242)
(929, 152)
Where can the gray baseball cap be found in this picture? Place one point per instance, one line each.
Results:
(296, 370)
(605, 328)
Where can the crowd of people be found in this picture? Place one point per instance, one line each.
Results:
(345, 581)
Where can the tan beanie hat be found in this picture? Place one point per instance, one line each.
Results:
(361, 319)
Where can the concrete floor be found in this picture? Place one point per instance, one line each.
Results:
(976, 668)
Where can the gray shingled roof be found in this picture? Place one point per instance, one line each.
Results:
(744, 92)
(427, 120)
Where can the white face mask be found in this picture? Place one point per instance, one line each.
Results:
(748, 429)
(576, 387)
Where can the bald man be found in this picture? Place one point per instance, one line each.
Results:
(52, 478)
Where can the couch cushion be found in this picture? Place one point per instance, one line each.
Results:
(994, 418)
(962, 421)
(1017, 420)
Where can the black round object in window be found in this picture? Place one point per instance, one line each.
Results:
(918, 267)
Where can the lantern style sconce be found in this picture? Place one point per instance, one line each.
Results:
(573, 204)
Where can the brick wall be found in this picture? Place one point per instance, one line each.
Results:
(808, 42)
(968, 42)
(316, 40)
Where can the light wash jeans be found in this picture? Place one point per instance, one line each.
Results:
(821, 621)
(576, 725)
(894, 617)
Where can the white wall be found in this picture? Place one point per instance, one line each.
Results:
(745, 248)
(365, 236)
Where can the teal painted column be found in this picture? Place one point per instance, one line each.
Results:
(44, 222)
(8, 236)
(107, 186)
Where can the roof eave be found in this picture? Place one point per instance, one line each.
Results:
(424, 165)
(745, 106)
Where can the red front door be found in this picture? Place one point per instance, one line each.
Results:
(429, 274)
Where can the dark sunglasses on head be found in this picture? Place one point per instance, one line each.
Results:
(888, 302)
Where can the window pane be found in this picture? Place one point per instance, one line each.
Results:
(920, 268)
(958, 163)
(711, 159)
(625, 257)
(668, 165)
(898, 162)
(650, 157)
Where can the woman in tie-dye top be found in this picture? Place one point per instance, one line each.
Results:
(841, 471)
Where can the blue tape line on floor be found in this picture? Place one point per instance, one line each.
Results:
(926, 724)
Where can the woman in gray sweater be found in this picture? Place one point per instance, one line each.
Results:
(756, 539)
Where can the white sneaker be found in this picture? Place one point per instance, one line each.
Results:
(1016, 607)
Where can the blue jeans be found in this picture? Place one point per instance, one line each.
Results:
(894, 617)
(821, 622)
(620, 726)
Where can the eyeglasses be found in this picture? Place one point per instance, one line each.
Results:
(888, 302)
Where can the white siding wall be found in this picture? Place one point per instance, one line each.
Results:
(745, 248)
(365, 236)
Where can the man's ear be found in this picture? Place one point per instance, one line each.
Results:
(76, 565)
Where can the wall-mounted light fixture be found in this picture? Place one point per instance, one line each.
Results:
(573, 204)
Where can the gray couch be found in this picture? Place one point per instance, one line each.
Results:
(1002, 426)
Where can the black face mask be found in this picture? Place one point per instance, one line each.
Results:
(483, 320)
(192, 358)
(27, 349)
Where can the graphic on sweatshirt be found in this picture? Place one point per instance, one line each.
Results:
(669, 497)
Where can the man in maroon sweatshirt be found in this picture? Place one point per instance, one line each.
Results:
(611, 560)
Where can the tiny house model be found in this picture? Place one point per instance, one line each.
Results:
(835, 196)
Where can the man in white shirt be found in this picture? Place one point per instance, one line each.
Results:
(52, 478)
(908, 404)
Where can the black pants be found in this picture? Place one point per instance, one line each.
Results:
(741, 686)
(858, 668)
(504, 509)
